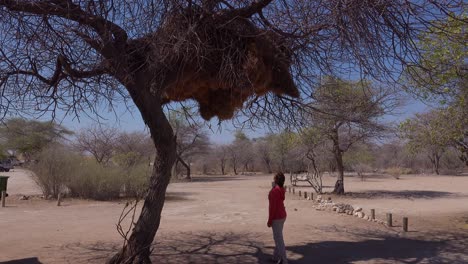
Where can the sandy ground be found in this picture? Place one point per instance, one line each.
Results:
(222, 219)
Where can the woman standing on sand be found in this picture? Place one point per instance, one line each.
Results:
(277, 217)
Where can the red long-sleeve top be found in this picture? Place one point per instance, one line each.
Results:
(276, 200)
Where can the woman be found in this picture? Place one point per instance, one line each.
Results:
(277, 217)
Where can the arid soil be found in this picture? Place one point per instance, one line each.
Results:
(222, 219)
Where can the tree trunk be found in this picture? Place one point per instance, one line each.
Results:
(138, 247)
(268, 163)
(187, 167)
(339, 185)
(223, 166)
(174, 170)
(436, 163)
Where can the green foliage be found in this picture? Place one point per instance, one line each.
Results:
(358, 155)
(241, 136)
(30, 136)
(441, 71)
(427, 131)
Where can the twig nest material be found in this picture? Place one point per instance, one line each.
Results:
(220, 64)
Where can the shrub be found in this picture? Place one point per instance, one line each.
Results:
(136, 180)
(59, 170)
(398, 171)
(52, 169)
(94, 181)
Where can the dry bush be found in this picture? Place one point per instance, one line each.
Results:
(95, 181)
(398, 171)
(52, 169)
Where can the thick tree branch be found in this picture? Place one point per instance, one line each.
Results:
(109, 32)
(246, 12)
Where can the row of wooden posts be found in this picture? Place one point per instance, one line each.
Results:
(389, 215)
(59, 199)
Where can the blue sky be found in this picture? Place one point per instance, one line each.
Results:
(130, 120)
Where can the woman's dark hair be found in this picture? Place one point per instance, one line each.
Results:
(279, 179)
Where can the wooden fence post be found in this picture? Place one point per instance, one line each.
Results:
(59, 199)
(372, 213)
(405, 224)
(389, 219)
(3, 198)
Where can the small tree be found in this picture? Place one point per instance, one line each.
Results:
(312, 144)
(191, 139)
(349, 112)
(221, 153)
(264, 148)
(133, 148)
(99, 140)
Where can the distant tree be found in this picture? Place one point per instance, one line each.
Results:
(349, 112)
(263, 147)
(99, 140)
(28, 137)
(221, 153)
(239, 151)
(360, 158)
(425, 132)
(132, 148)
(191, 139)
(282, 145)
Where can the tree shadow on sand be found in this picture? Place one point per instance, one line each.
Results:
(216, 178)
(23, 261)
(406, 194)
(237, 248)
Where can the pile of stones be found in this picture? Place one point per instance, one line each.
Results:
(342, 208)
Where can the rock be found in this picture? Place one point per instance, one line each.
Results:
(360, 214)
(357, 209)
(340, 211)
(24, 197)
(295, 209)
(334, 208)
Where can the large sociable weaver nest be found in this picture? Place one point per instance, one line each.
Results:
(220, 64)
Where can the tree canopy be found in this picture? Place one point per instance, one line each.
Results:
(28, 137)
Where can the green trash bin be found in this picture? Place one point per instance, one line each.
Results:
(3, 183)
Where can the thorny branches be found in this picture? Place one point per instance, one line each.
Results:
(87, 47)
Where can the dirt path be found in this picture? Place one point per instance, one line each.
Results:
(223, 220)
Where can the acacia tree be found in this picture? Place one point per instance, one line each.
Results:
(28, 137)
(349, 112)
(425, 132)
(221, 154)
(191, 139)
(76, 55)
(132, 148)
(263, 146)
(99, 140)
